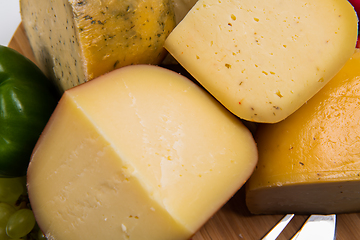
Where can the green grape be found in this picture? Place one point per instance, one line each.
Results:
(3, 235)
(11, 189)
(23, 182)
(20, 223)
(6, 210)
(41, 236)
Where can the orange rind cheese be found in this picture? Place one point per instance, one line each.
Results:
(310, 162)
(76, 41)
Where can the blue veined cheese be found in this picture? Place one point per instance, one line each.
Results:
(264, 59)
(75, 41)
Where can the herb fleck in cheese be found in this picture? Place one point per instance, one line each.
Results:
(75, 41)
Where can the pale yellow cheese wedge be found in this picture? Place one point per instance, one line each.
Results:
(76, 41)
(139, 153)
(310, 162)
(264, 59)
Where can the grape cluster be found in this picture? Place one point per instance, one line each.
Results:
(17, 220)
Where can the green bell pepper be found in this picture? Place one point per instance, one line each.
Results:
(27, 100)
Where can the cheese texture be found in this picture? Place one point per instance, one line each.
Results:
(139, 153)
(75, 41)
(310, 163)
(264, 59)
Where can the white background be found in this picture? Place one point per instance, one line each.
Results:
(9, 20)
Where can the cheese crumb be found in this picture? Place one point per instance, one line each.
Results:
(123, 227)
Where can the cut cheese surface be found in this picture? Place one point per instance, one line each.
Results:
(139, 153)
(76, 41)
(309, 163)
(264, 59)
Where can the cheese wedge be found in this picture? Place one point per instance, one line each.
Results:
(310, 162)
(139, 153)
(76, 41)
(264, 59)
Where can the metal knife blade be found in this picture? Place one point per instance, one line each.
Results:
(279, 227)
(318, 227)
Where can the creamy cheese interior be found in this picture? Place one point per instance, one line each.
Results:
(139, 153)
(264, 59)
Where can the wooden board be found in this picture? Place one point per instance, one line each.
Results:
(233, 221)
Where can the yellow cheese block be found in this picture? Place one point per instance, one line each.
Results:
(264, 59)
(76, 41)
(139, 153)
(310, 162)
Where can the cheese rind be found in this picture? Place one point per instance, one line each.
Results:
(139, 153)
(309, 163)
(76, 41)
(264, 59)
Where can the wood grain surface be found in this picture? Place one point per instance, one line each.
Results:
(233, 221)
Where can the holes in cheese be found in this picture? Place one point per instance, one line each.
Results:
(76, 41)
(264, 59)
(139, 153)
(309, 163)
